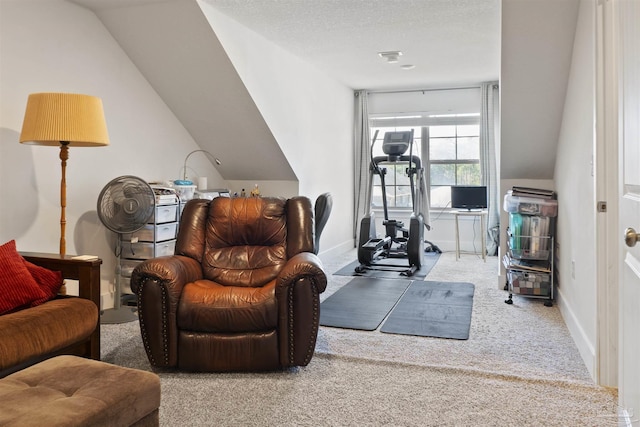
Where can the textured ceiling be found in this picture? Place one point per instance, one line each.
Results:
(450, 42)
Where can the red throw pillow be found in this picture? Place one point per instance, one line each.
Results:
(49, 281)
(17, 286)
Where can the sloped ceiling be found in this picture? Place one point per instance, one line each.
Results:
(174, 47)
(537, 45)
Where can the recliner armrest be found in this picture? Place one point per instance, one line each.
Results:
(297, 292)
(303, 265)
(175, 271)
(158, 282)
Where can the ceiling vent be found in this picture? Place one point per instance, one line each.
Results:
(390, 56)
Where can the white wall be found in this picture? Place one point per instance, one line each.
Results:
(309, 114)
(56, 46)
(537, 37)
(574, 178)
(267, 188)
(431, 101)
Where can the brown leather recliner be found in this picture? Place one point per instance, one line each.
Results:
(240, 293)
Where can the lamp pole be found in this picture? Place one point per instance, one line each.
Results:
(64, 156)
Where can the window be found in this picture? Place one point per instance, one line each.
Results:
(449, 146)
(453, 158)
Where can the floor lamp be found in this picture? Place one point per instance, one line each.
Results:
(64, 119)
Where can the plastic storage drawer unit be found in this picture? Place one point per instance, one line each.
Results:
(166, 213)
(127, 266)
(529, 283)
(142, 250)
(155, 233)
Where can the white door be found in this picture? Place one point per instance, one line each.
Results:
(628, 55)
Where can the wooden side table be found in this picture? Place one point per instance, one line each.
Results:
(483, 218)
(86, 272)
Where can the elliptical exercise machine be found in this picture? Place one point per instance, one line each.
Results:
(399, 242)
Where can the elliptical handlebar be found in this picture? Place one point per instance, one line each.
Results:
(395, 154)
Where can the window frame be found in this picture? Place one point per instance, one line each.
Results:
(428, 162)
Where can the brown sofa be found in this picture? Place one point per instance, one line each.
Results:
(63, 325)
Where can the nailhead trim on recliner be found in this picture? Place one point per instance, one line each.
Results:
(316, 321)
(165, 323)
(143, 329)
(291, 336)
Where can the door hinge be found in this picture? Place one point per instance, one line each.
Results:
(602, 206)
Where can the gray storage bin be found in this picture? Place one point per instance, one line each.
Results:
(168, 213)
(144, 250)
(127, 266)
(154, 233)
(530, 283)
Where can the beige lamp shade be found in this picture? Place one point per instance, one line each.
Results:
(52, 118)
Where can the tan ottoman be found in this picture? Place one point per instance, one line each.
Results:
(73, 391)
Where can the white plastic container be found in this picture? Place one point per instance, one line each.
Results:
(166, 213)
(156, 233)
(143, 250)
(530, 205)
(127, 266)
(185, 192)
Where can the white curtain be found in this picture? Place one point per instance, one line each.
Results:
(489, 125)
(362, 158)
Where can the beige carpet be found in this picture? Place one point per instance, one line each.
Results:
(525, 339)
(518, 368)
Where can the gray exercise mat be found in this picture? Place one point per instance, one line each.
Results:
(363, 303)
(433, 309)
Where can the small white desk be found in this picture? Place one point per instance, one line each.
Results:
(483, 219)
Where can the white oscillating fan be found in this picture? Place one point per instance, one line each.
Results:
(125, 205)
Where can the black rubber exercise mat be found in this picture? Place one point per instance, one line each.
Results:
(363, 303)
(391, 268)
(433, 309)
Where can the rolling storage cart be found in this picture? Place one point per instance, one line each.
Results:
(156, 238)
(529, 259)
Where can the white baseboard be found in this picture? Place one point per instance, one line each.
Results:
(624, 418)
(336, 250)
(106, 300)
(585, 347)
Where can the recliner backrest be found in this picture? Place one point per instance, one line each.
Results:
(245, 241)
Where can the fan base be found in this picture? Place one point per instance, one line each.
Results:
(118, 315)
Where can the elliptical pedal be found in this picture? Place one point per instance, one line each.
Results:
(410, 271)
